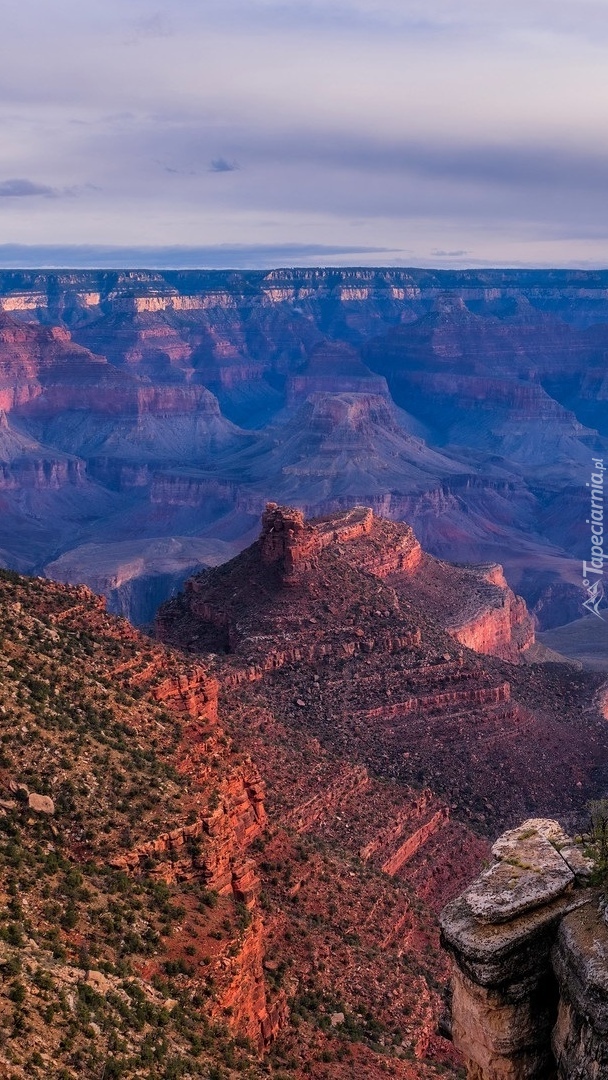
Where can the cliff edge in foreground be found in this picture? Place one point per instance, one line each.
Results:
(529, 943)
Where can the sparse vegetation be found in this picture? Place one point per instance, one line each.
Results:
(80, 723)
(596, 839)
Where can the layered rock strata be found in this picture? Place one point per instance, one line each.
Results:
(529, 944)
(343, 625)
(129, 384)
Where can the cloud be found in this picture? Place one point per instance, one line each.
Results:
(439, 254)
(516, 163)
(21, 188)
(472, 136)
(220, 165)
(153, 26)
(474, 20)
(218, 256)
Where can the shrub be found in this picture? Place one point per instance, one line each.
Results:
(17, 992)
(596, 839)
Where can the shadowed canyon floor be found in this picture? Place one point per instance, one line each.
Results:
(147, 417)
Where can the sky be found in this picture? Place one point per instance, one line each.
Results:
(301, 132)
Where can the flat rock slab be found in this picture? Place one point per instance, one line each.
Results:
(545, 828)
(510, 843)
(530, 873)
(492, 952)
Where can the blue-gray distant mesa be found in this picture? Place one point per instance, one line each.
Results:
(458, 134)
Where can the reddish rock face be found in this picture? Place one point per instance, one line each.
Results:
(339, 648)
(197, 840)
(346, 626)
(310, 900)
(287, 542)
(328, 759)
(465, 403)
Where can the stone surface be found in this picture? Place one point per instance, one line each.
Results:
(330, 870)
(503, 1038)
(41, 804)
(245, 911)
(99, 982)
(580, 960)
(530, 873)
(348, 615)
(512, 887)
(540, 831)
(530, 994)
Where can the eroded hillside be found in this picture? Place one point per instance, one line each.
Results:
(159, 917)
(345, 627)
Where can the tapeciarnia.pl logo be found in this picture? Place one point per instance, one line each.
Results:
(593, 571)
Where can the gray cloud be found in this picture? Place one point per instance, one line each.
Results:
(477, 19)
(452, 131)
(220, 165)
(355, 175)
(21, 188)
(152, 26)
(219, 256)
(517, 163)
(458, 254)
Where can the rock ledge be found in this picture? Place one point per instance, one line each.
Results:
(530, 952)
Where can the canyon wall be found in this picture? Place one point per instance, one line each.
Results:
(350, 624)
(529, 944)
(144, 405)
(500, 624)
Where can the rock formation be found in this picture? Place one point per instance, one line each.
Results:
(530, 950)
(193, 841)
(353, 598)
(287, 543)
(231, 852)
(170, 890)
(465, 402)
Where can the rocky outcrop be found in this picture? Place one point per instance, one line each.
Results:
(530, 961)
(287, 542)
(580, 962)
(501, 625)
(191, 691)
(344, 622)
(182, 830)
(463, 402)
(334, 367)
(244, 998)
(211, 850)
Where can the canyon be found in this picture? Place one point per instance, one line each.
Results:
(178, 855)
(341, 638)
(424, 673)
(147, 417)
(224, 848)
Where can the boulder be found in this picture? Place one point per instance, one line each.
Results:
(41, 804)
(514, 1012)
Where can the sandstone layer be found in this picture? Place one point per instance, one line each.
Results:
(343, 624)
(530, 951)
(467, 403)
(184, 896)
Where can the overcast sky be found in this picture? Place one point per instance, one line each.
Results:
(261, 132)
